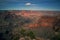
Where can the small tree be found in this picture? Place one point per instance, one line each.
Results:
(23, 32)
(31, 35)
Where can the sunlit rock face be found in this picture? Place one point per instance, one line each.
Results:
(39, 18)
(42, 22)
(47, 21)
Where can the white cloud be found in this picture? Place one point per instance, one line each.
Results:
(28, 4)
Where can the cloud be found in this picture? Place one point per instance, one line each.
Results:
(29, 4)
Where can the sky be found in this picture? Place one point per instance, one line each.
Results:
(53, 5)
